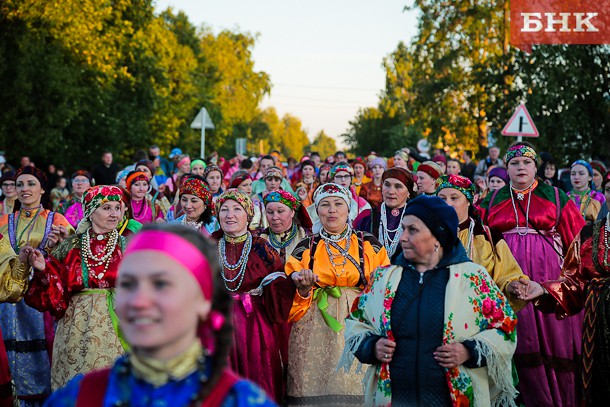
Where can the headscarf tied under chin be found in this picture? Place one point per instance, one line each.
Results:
(95, 197)
(520, 150)
(238, 196)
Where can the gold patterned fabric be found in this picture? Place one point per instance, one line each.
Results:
(86, 325)
(314, 351)
(13, 274)
(158, 373)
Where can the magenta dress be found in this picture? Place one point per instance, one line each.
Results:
(548, 349)
(260, 317)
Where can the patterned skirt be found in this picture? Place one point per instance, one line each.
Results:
(85, 338)
(313, 353)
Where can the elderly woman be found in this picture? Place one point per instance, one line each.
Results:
(536, 218)
(452, 352)
(427, 173)
(175, 316)
(76, 286)
(583, 192)
(28, 332)
(213, 175)
(330, 268)
(196, 203)
(402, 158)
(252, 273)
(143, 209)
(371, 191)
(585, 284)
(385, 223)
(483, 246)
(283, 213)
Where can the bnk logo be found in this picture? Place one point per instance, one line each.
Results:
(559, 22)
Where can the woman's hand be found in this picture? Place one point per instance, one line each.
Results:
(57, 235)
(302, 193)
(36, 260)
(304, 280)
(534, 290)
(452, 355)
(519, 287)
(384, 350)
(24, 254)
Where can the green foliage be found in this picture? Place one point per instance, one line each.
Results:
(82, 76)
(324, 144)
(459, 81)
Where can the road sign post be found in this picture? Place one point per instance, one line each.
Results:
(202, 121)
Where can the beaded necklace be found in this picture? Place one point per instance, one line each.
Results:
(240, 265)
(29, 227)
(606, 245)
(279, 243)
(334, 240)
(190, 224)
(90, 260)
(527, 211)
(470, 238)
(384, 232)
(521, 192)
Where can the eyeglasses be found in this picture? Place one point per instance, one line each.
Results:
(343, 177)
(80, 181)
(8, 185)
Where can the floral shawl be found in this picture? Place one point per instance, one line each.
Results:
(485, 318)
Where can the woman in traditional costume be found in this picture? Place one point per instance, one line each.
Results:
(76, 285)
(28, 333)
(143, 210)
(427, 173)
(175, 316)
(241, 180)
(371, 191)
(213, 175)
(583, 193)
(288, 222)
(360, 177)
(599, 170)
(330, 270)
(196, 203)
(398, 186)
(252, 272)
(153, 194)
(307, 183)
(585, 284)
(539, 222)
(434, 327)
(483, 246)
(73, 208)
(14, 274)
(7, 182)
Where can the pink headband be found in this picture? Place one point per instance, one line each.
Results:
(179, 249)
(185, 159)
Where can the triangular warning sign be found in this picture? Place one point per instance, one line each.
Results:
(521, 124)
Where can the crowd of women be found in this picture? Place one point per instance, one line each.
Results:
(238, 287)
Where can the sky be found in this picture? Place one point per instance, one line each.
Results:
(324, 57)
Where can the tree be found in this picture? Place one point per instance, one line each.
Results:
(324, 144)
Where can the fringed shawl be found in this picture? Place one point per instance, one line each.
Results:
(475, 309)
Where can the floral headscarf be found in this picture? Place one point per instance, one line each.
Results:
(331, 189)
(96, 196)
(599, 166)
(339, 168)
(359, 160)
(238, 196)
(462, 184)
(520, 150)
(196, 186)
(284, 197)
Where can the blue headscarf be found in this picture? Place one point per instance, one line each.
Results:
(589, 169)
